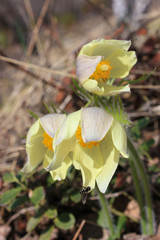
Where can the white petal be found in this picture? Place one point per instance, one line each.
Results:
(86, 66)
(51, 123)
(95, 124)
(119, 138)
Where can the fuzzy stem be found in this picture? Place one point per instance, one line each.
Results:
(106, 213)
(145, 184)
(139, 196)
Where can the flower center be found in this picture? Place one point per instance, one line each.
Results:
(80, 139)
(102, 71)
(48, 141)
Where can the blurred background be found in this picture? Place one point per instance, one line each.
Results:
(49, 34)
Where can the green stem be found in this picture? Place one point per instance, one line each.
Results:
(106, 213)
(145, 184)
(139, 196)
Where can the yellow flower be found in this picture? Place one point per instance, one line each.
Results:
(94, 140)
(101, 60)
(39, 144)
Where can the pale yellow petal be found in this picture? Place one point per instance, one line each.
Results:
(51, 123)
(111, 159)
(91, 85)
(61, 172)
(61, 152)
(85, 66)
(68, 128)
(108, 90)
(102, 47)
(95, 123)
(35, 130)
(119, 138)
(103, 89)
(34, 147)
(122, 62)
(90, 162)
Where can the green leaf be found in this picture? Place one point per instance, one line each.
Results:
(47, 107)
(51, 212)
(75, 196)
(65, 221)
(33, 114)
(46, 235)
(34, 221)
(17, 202)
(38, 195)
(140, 125)
(64, 200)
(53, 107)
(9, 177)
(9, 195)
(146, 145)
(120, 225)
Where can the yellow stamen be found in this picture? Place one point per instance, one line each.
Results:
(102, 71)
(80, 139)
(48, 141)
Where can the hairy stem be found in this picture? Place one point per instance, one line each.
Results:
(145, 185)
(106, 212)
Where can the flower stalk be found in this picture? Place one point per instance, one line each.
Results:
(106, 212)
(139, 196)
(145, 185)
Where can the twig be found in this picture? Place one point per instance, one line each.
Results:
(22, 211)
(37, 27)
(143, 114)
(29, 65)
(79, 229)
(152, 87)
(30, 13)
(110, 195)
(138, 71)
(19, 65)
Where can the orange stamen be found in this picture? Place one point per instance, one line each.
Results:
(102, 71)
(80, 139)
(48, 141)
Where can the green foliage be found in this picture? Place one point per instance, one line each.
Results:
(145, 146)
(46, 235)
(142, 78)
(18, 201)
(138, 127)
(27, 191)
(9, 195)
(136, 132)
(9, 177)
(48, 108)
(114, 107)
(38, 195)
(120, 226)
(80, 91)
(34, 221)
(33, 114)
(75, 196)
(51, 212)
(65, 221)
